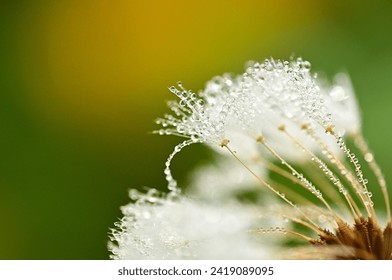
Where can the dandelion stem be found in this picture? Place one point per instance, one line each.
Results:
(279, 170)
(225, 143)
(294, 196)
(325, 186)
(369, 158)
(307, 184)
(301, 222)
(307, 238)
(285, 174)
(352, 158)
(343, 170)
(335, 181)
(284, 231)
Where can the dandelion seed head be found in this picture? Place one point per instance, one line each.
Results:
(277, 127)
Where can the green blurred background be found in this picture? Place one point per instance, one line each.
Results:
(82, 81)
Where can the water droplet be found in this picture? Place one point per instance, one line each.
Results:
(306, 65)
(200, 102)
(173, 89)
(369, 157)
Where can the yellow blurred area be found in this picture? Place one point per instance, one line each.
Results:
(103, 63)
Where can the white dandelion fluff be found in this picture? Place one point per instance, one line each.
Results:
(289, 133)
(156, 227)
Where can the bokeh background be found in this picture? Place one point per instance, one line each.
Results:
(82, 81)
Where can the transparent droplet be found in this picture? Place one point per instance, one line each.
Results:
(369, 157)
